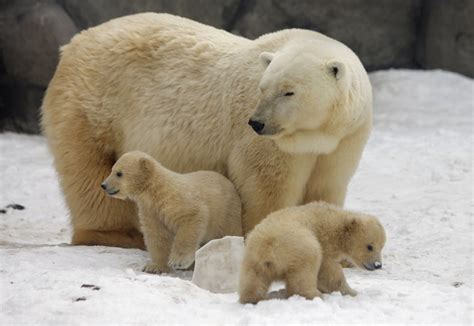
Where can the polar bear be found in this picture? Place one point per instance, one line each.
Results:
(177, 212)
(304, 247)
(185, 93)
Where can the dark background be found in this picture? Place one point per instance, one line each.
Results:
(426, 34)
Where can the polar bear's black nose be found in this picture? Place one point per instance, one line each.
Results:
(103, 185)
(257, 126)
(377, 265)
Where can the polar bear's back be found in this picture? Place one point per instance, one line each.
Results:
(146, 78)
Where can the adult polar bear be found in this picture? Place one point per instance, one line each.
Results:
(183, 92)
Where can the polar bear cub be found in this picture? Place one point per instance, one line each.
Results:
(304, 246)
(177, 212)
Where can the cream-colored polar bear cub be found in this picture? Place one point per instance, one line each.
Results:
(304, 246)
(177, 212)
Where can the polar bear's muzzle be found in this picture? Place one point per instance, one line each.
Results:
(373, 265)
(262, 128)
(108, 190)
(257, 126)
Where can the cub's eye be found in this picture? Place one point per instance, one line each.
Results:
(370, 248)
(118, 174)
(289, 94)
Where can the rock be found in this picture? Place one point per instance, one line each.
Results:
(381, 33)
(217, 13)
(19, 107)
(87, 13)
(31, 33)
(258, 17)
(217, 265)
(16, 206)
(91, 286)
(447, 36)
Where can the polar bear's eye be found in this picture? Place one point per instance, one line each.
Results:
(370, 248)
(289, 94)
(118, 174)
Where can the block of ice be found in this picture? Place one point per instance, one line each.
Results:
(217, 264)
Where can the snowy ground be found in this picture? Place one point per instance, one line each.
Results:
(416, 174)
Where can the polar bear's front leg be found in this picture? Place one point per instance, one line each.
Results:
(158, 241)
(258, 200)
(331, 278)
(345, 289)
(260, 172)
(186, 243)
(333, 171)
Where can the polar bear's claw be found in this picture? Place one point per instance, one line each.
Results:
(154, 268)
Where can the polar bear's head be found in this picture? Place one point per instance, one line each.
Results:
(130, 175)
(305, 103)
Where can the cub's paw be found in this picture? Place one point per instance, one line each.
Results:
(181, 262)
(154, 268)
(348, 291)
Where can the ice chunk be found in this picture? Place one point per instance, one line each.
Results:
(217, 264)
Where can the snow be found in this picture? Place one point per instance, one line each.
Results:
(416, 175)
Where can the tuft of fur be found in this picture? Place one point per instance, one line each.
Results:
(177, 212)
(304, 246)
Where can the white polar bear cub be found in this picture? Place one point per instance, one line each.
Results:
(177, 212)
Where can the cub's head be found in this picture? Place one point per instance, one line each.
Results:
(365, 238)
(130, 175)
(304, 102)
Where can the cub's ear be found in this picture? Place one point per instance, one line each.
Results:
(337, 69)
(265, 58)
(351, 225)
(145, 165)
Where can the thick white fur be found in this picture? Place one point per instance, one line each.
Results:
(183, 92)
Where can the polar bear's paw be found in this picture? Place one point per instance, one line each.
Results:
(181, 262)
(154, 268)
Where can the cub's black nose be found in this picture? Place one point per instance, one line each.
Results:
(103, 185)
(377, 265)
(257, 126)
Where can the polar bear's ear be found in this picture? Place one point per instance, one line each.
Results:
(337, 69)
(145, 164)
(265, 58)
(350, 226)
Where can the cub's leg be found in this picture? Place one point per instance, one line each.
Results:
(158, 240)
(303, 279)
(345, 289)
(331, 278)
(187, 240)
(253, 283)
